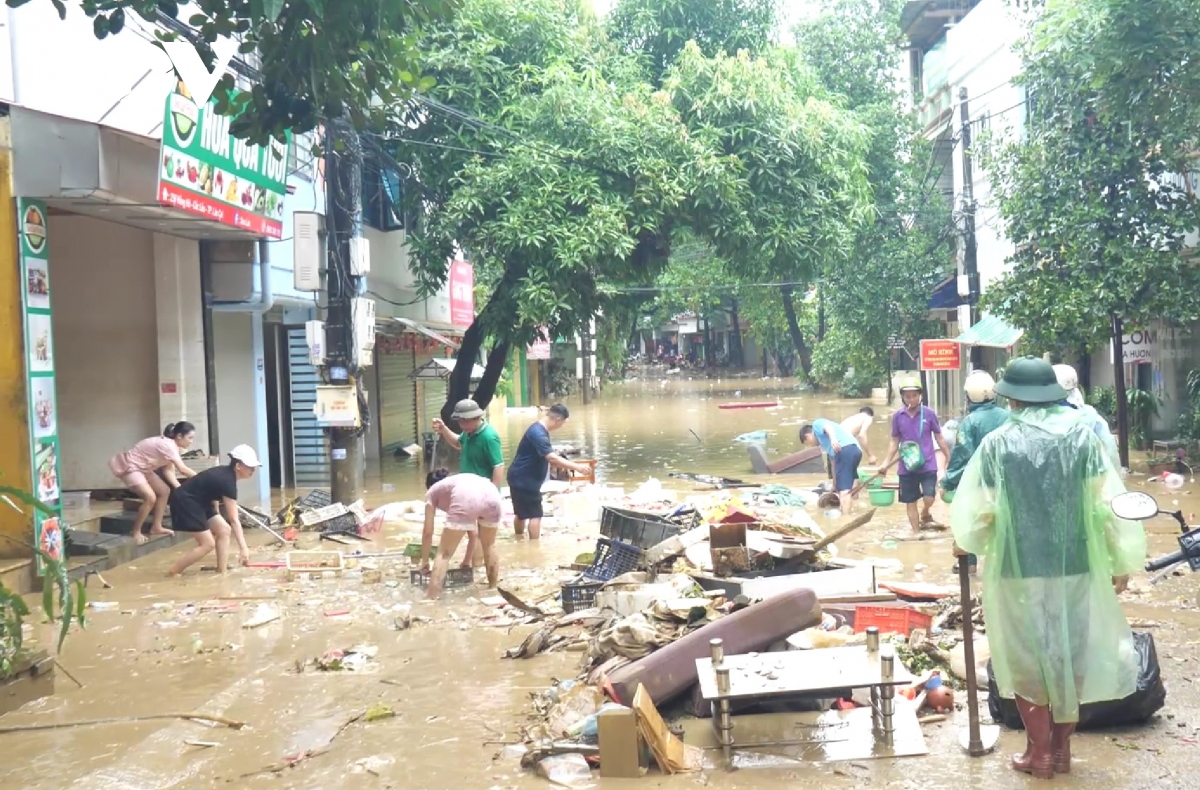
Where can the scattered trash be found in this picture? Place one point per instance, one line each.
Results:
(374, 765)
(379, 711)
(567, 770)
(103, 606)
(265, 613)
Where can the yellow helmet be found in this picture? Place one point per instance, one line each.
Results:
(910, 383)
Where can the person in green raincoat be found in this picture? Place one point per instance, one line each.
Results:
(983, 417)
(1034, 500)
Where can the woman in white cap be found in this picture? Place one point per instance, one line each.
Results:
(1068, 379)
(194, 510)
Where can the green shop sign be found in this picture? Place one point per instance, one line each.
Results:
(207, 172)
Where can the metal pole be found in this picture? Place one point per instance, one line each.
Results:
(1118, 350)
(887, 693)
(723, 717)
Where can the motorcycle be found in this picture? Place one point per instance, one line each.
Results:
(1140, 506)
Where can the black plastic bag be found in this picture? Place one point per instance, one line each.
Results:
(1137, 708)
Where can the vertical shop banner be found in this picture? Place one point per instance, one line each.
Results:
(462, 293)
(206, 171)
(39, 373)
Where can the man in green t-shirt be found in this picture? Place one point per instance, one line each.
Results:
(479, 442)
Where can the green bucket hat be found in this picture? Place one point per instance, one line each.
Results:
(1030, 380)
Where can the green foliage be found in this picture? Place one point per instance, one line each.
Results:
(656, 31)
(843, 364)
(318, 59)
(1189, 413)
(573, 172)
(1091, 196)
(1104, 401)
(1142, 406)
(881, 289)
(67, 607)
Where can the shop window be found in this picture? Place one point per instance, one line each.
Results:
(382, 197)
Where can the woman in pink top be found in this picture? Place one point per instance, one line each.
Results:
(139, 466)
(472, 507)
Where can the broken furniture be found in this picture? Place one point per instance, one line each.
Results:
(671, 670)
(727, 678)
(809, 461)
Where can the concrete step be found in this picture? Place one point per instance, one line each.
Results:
(121, 523)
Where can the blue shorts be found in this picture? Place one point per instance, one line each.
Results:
(845, 467)
(916, 486)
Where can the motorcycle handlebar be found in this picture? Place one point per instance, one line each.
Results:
(1165, 561)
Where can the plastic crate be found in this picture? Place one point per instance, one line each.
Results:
(612, 559)
(317, 498)
(455, 577)
(345, 523)
(579, 595)
(643, 530)
(413, 550)
(890, 620)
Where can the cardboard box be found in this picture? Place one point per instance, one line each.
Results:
(620, 745)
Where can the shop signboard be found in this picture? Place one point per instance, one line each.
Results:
(33, 229)
(462, 293)
(206, 171)
(540, 348)
(940, 355)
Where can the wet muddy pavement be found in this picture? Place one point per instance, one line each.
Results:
(180, 647)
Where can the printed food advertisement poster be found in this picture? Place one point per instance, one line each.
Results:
(33, 228)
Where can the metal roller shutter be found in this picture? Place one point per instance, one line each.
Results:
(432, 395)
(310, 461)
(396, 401)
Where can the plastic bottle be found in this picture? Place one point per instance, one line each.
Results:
(1173, 481)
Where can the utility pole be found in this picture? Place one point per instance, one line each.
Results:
(970, 251)
(1118, 351)
(343, 216)
(585, 343)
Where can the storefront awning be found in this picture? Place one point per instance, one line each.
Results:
(85, 168)
(991, 332)
(945, 295)
(438, 369)
(408, 323)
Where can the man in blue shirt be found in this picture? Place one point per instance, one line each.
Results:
(843, 452)
(530, 467)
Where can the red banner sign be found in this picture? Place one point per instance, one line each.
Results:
(940, 355)
(462, 293)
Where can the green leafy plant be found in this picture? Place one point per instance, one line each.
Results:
(1104, 401)
(67, 607)
(1142, 406)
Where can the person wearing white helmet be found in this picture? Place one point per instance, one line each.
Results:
(194, 510)
(1068, 379)
(983, 417)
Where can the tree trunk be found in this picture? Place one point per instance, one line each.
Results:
(459, 386)
(710, 360)
(802, 349)
(496, 361)
(737, 357)
(1084, 368)
(820, 315)
(1119, 382)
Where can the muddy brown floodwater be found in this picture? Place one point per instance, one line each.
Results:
(456, 700)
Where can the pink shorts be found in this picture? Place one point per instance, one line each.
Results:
(468, 502)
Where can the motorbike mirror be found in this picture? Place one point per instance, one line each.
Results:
(1134, 506)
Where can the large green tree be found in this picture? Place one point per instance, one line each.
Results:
(1094, 195)
(316, 59)
(552, 158)
(880, 290)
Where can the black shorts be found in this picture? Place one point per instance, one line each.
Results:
(918, 486)
(526, 504)
(187, 515)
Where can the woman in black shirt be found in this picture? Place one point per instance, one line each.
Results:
(194, 510)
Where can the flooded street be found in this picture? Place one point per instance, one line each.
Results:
(174, 647)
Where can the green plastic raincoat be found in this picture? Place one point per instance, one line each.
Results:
(1034, 501)
(982, 420)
